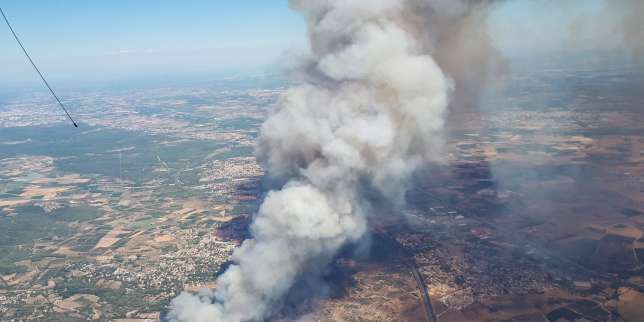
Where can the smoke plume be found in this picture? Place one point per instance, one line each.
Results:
(371, 109)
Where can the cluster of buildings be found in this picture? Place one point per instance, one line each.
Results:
(234, 178)
(461, 262)
(189, 263)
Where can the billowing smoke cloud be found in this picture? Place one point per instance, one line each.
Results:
(371, 107)
(370, 110)
(456, 35)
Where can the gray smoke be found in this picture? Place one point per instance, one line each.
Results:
(610, 27)
(617, 26)
(371, 109)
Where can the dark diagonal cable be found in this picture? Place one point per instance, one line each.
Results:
(36, 68)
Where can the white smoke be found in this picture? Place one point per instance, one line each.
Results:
(372, 108)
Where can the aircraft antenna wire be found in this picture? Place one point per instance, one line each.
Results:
(36, 68)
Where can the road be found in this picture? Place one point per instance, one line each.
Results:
(407, 258)
(427, 302)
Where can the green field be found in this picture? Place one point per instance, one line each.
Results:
(30, 224)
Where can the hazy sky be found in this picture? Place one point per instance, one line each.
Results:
(82, 40)
(101, 39)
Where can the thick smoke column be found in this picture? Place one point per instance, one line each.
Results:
(370, 110)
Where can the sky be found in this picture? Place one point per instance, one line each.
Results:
(80, 40)
(114, 40)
